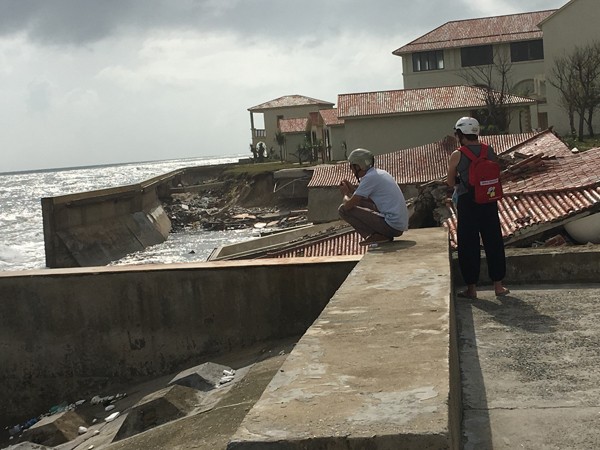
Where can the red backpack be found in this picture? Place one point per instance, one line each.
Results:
(484, 176)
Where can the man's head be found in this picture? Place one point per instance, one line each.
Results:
(467, 128)
(360, 161)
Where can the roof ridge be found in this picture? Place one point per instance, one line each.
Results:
(503, 15)
(414, 89)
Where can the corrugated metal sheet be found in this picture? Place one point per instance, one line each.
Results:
(487, 30)
(330, 117)
(293, 125)
(430, 162)
(289, 100)
(404, 101)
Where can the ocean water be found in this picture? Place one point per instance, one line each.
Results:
(21, 230)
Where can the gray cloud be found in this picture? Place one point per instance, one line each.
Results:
(39, 96)
(81, 22)
(101, 81)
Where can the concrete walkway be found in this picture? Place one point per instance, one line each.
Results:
(530, 366)
(373, 370)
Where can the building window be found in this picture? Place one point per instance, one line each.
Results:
(480, 55)
(527, 50)
(433, 60)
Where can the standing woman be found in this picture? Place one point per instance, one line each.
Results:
(475, 220)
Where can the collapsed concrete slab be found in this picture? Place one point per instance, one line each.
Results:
(158, 408)
(29, 446)
(204, 377)
(56, 429)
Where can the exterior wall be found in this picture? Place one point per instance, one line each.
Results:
(573, 26)
(388, 134)
(290, 149)
(323, 204)
(522, 74)
(68, 334)
(337, 136)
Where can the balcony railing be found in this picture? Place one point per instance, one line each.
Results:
(259, 133)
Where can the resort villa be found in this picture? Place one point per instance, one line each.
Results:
(444, 72)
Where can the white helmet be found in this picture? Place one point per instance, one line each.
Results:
(362, 158)
(467, 125)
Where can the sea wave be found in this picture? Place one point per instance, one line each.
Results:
(21, 225)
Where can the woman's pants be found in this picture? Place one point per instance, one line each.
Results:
(475, 220)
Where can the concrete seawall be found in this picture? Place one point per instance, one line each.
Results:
(96, 227)
(69, 332)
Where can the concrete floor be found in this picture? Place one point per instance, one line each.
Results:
(530, 372)
(530, 368)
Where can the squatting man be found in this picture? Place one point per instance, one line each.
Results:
(376, 209)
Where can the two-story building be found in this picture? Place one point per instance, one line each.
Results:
(476, 51)
(284, 108)
(573, 25)
(387, 121)
(523, 46)
(440, 72)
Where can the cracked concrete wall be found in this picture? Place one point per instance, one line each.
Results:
(67, 333)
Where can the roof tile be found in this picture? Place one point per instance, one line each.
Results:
(293, 125)
(345, 243)
(406, 101)
(487, 30)
(330, 117)
(289, 100)
(565, 187)
(430, 162)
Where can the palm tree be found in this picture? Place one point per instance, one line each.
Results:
(280, 138)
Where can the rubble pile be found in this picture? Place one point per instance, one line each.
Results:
(105, 419)
(65, 421)
(213, 211)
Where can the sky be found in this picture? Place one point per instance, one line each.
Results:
(85, 82)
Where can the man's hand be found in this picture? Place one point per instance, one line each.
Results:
(346, 188)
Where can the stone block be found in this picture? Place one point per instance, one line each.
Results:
(204, 377)
(160, 407)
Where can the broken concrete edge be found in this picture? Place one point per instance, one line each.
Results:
(415, 441)
(572, 264)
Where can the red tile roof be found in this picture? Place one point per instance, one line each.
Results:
(407, 101)
(577, 171)
(558, 190)
(545, 142)
(345, 243)
(430, 162)
(554, 189)
(293, 125)
(330, 117)
(288, 101)
(487, 30)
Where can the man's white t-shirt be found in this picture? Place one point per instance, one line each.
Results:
(382, 189)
